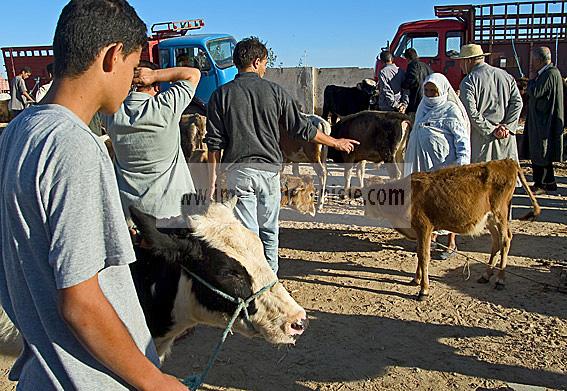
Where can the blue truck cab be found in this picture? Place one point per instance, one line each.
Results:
(171, 46)
(210, 53)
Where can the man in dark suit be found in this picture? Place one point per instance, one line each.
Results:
(416, 72)
(545, 121)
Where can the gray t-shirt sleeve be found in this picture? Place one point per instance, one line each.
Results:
(84, 216)
(177, 97)
(22, 86)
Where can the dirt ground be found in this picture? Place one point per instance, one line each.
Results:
(367, 331)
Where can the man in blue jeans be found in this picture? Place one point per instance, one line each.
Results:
(243, 121)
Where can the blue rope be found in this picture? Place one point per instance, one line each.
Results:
(195, 381)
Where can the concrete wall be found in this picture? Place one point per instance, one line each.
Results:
(307, 84)
(298, 82)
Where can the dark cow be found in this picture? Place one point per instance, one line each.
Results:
(382, 136)
(341, 101)
(461, 199)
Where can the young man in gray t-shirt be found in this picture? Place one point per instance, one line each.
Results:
(64, 244)
(19, 95)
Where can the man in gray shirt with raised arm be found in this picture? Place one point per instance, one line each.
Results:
(150, 166)
(243, 120)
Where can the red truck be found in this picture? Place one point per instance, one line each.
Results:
(507, 30)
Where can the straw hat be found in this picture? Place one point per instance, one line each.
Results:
(471, 50)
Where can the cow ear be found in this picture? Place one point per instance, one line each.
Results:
(147, 226)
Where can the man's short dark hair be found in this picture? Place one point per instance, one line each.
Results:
(148, 64)
(25, 69)
(248, 50)
(386, 56)
(49, 68)
(85, 27)
(411, 54)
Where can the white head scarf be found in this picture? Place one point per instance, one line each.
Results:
(446, 94)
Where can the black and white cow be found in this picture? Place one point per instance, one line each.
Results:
(219, 249)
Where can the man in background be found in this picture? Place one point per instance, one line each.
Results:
(416, 72)
(42, 91)
(391, 95)
(19, 94)
(545, 121)
(493, 103)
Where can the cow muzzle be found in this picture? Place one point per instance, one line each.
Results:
(297, 325)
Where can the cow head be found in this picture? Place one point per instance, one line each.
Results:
(298, 193)
(367, 85)
(219, 249)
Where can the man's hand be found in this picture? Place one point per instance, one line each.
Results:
(345, 145)
(402, 108)
(144, 77)
(501, 132)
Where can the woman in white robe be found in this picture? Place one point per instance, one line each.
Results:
(440, 136)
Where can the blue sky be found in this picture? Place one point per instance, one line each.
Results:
(330, 33)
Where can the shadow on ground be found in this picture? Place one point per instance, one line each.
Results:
(342, 348)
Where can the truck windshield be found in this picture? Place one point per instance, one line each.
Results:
(425, 46)
(221, 51)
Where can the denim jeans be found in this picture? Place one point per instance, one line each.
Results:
(258, 206)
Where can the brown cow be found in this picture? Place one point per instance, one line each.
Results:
(299, 151)
(464, 200)
(193, 128)
(382, 135)
(298, 193)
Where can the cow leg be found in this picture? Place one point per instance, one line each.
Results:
(393, 171)
(506, 241)
(348, 176)
(295, 169)
(423, 248)
(360, 170)
(321, 171)
(496, 242)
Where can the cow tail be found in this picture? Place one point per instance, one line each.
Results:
(533, 214)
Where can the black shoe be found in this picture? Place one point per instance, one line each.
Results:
(550, 187)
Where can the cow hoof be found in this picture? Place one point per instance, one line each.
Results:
(422, 296)
(483, 280)
(414, 282)
(499, 286)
